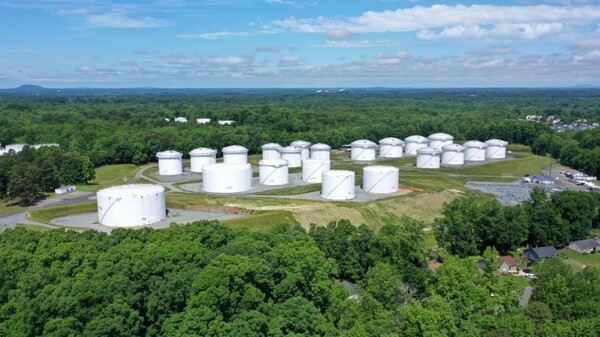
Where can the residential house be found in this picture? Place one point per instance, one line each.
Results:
(540, 253)
(585, 246)
(506, 264)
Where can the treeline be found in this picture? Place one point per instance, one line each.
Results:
(204, 279)
(26, 175)
(132, 128)
(469, 224)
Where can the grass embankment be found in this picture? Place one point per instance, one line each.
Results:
(111, 175)
(261, 220)
(6, 207)
(34, 228)
(44, 215)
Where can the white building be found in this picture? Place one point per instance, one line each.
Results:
(200, 157)
(428, 157)
(437, 140)
(338, 185)
(226, 122)
(496, 149)
(363, 150)
(474, 151)
(235, 154)
(273, 172)
(320, 151)
(131, 205)
(271, 151)
(169, 163)
(413, 143)
(181, 119)
(391, 147)
(380, 179)
(203, 121)
(226, 178)
(453, 155)
(65, 189)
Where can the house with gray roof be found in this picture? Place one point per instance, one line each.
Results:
(585, 246)
(540, 253)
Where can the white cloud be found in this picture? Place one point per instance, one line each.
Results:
(228, 60)
(128, 63)
(212, 36)
(355, 44)
(85, 69)
(268, 49)
(119, 19)
(338, 34)
(506, 30)
(289, 60)
(587, 44)
(73, 11)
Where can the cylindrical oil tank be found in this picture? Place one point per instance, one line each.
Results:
(293, 155)
(200, 157)
(273, 172)
(304, 146)
(453, 155)
(496, 149)
(131, 205)
(428, 157)
(271, 151)
(362, 150)
(437, 140)
(312, 170)
(413, 143)
(320, 151)
(390, 147)
(338, 185)
(169, 163)
(235, 154)
(474, 151)
(226, 178)
(380, 179)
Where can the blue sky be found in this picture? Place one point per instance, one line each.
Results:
(297, 43)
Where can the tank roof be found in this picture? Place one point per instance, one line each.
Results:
(496, 142)
(202, 151)
(320, 146)
(291, 149)
(223, 167)
(474, 143)
(440, 136)
(273, 162)
(416, 138)
(300, 143)
(169, 154)
(339, 173)
(131, 190)
(363, 143)
(428, 150)
(234, 149)
(453, 147)
(391, 141)
(380, 168)
(270, 146)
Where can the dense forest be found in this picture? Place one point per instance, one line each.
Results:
(204, 279)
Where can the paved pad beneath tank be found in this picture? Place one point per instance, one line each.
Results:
(360, 195)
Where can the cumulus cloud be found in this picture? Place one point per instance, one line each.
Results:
(505, 30)
(268, 49)
(85, 69)
(128, 63)
(338, 34)
(120, 19)
(590, 44)
(227, 60)
(72, 11)
(212, 36)
(355, 44)
(289, 60)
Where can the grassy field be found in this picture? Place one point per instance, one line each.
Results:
(261, 220)
(6, 208)
(44, 215)
(34, 228)
(581, 260)
(111, 175)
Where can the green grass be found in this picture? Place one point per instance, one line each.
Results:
(111, 175)
(579, 260)
(429, 239)
(292, 190)
(6, 208)
(44, 215)
(261, 220)
(522, 282)
(34, 228)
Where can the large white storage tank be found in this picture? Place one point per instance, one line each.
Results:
(362, 150)
(312, 170)
(304, 146)
(428, 157)
(437, 140)
(453, 155)
(169, 163)
(380, 179)
(273, 172)
(390, 147)
(496, 149)
(131, 205)
(474, 151)
(200, 157)
(235, 154)
(271, 151)
(320, 151)
(226, 178)
(293, 155)
(338, 185)
(413, 143)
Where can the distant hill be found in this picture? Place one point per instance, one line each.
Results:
(27, 89)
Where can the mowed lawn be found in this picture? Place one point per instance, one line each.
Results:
(111, 175)
(582, 260)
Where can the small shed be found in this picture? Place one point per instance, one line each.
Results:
(65, 189)
(585, 246)
(506, 264)
(540, 253)
(539, 179)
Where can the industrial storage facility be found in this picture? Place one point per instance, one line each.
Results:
(271, 151)
(312, 170)
(273, 172)
(437, 140)
(200, 157)
(320, 151)
(474, 151)
(453, 155)
(428, 157)
(380, 179)
(363, 150)
(235, 154)
(226, 178)
(131, 205)
(496, 149)
(304, 146)
(293, 155)
(390, 147)
(338, 185)
(413, 143)
(169, 163)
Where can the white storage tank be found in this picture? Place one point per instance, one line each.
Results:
(428, 157)
(226, 178)
(293, 155)
(437, 140)
(474, 151)
(200, 157)
(453, 155)
(304, 146)
(320, 151)
(390, 147)
(131, 205)
(362, 150)
(338, 185)
(380, 179)
(413, 143)
(496, 149)
(312, 170)
(235, 154)
(169, 163)
(273, 172)
(271, 151)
